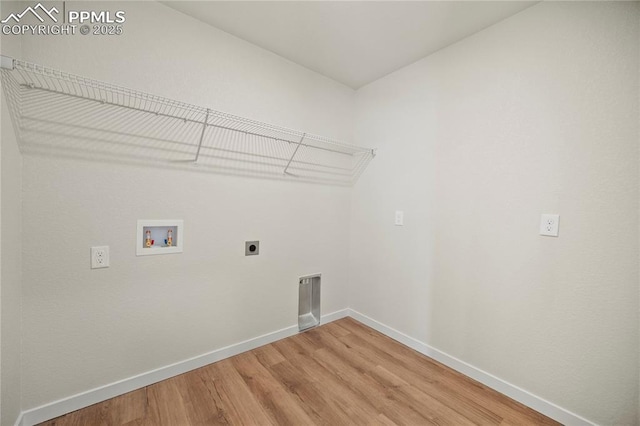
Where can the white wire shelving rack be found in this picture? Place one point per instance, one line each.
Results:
(57, 113)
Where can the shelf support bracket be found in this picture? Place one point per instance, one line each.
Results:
(204, 127)
(6, 62)
(294, 154)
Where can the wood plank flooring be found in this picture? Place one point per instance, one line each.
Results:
(341, 373)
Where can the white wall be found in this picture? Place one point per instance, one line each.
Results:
(10, 257)
(84, 328)
(537, 114)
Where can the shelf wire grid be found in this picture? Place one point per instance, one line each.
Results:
(54, 112)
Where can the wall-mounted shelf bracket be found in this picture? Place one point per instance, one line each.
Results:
(293, 155)
(6, 62)
(204, 128)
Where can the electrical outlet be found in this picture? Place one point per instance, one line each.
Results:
(549, 224)
(99, 257)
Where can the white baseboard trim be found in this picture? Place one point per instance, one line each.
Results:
(19, 420)
(334, 316)
(512, 391)
(102, 393)
(93, 396)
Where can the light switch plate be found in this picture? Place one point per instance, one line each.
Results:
(399, 218)
(99, 257)
(549, 224)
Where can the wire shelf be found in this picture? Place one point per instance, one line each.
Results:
(54, 112)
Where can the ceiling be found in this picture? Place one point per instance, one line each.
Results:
(353, 42)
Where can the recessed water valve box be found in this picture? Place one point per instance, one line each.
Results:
(251, 248)
(159, 237)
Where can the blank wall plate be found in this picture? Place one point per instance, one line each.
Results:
(549, 224)
(99, 257)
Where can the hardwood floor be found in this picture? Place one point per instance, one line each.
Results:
(341, 373)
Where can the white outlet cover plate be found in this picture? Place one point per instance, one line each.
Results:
(99, 257)
(549, 224)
